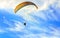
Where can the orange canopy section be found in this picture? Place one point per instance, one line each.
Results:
(19, 6)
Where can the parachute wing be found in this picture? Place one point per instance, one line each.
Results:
(19, 6)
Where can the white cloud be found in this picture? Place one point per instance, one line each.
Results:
(2, 31)
(5, 21)
(8, 3)
(41, 35)
(38, 36)
(18, 27)
(45, 32)
(55, 31)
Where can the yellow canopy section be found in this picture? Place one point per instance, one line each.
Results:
(19, 6)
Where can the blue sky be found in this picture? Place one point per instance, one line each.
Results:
(41, 23)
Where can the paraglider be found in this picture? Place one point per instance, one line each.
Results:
(23, 4)
(25, 24)
(19, 6)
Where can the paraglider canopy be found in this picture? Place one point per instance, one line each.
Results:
(19, 6)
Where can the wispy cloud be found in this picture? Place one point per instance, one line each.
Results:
(18, 27)
(44, 34)
(34, 30)
(2, 31)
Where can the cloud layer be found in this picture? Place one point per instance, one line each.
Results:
(43, 23)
